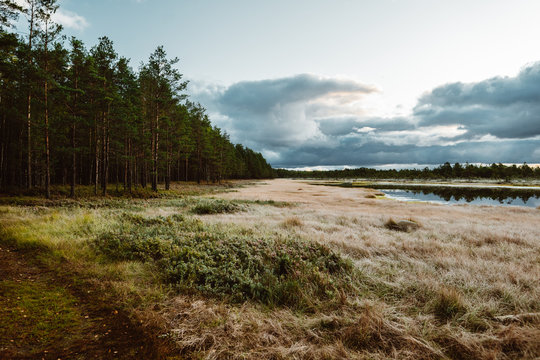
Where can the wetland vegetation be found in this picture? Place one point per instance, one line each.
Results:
(453, 193)
(219, 272)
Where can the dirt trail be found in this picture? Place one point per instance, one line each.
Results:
(85, 326)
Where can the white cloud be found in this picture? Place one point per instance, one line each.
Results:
(70, 20)
(66, 18)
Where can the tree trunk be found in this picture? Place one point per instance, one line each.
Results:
(199, 166)
(3, 151)
(155, 151)
(117, 172)
(29, 102)
(144, 164)
(168, 161)
(73, 153)
(96, 164)
(103, 155)
(187, 167)
(130, 170)
(91, 170)
(125, 163)
(47, 149)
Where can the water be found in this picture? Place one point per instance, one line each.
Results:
(500, 196)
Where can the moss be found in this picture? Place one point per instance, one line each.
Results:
(34, 314)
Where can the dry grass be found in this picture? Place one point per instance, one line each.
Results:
(292, 222)
(463, 285)
(443, 286)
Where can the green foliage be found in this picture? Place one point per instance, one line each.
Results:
(445, 171)
(192, 257)
(99, 120)
(215, 206)
(278, 204)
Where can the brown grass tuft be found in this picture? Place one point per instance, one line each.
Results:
(401, 225)
(448, 303)
(292, 222)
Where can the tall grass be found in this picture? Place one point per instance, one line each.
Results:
(317, 280)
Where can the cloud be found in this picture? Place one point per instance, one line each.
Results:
(505, 107)
(372, 153)
(70, 20)
(338, 126)
(66, 18)
(307, 120)
(279, 113)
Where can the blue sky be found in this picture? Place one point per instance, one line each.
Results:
(345, 82)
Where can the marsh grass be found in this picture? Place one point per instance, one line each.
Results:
(292, 222)
(278, 204)
(447, 304)
(242, 285)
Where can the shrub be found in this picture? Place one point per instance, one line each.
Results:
(273, 271)
(211, 206)
(401, 225)
(281, 272)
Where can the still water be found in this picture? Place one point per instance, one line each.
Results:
(477, 196)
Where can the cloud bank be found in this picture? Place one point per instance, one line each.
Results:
(307, 120)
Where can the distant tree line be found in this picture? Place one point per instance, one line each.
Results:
(445, 171)
(69, 115)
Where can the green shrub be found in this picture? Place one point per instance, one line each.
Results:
(240, 267)
(141, 238)
(280, 272)
(212, 206)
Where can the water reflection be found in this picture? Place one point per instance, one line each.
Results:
(461, 195)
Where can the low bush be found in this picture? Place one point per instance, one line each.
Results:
(272, 271)
(402, 225)
(213, 206)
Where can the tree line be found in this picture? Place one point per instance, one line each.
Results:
(445, 171)
(78, 116)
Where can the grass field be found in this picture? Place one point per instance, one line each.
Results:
(279, 269)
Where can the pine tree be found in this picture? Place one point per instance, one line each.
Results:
(105, 61)
(161, 85)
(48, 33)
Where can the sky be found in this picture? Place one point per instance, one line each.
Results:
(316, 83)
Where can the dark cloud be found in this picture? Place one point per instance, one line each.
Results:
(274, 114)
(349, 152)
(349, 125)
(506, 107)
(307, 120)
(260, 97)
